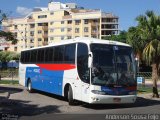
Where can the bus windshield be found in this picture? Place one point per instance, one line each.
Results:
(113, 65)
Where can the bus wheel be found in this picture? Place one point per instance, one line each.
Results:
(29, 86)
(70, 96)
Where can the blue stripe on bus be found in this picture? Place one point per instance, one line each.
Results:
(116, 90)
(45, 80)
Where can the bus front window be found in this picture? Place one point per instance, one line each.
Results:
(112, 65)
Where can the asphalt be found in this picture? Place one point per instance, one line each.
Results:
(5, 94)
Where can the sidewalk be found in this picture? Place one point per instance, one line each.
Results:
(148, 96)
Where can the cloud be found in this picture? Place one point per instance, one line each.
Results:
(23, 10)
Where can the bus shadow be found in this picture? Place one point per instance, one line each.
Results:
(140, 102)
(22, 108)
(50, 95)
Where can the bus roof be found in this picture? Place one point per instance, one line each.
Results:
(86, 40)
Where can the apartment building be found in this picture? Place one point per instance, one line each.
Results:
(58, 22)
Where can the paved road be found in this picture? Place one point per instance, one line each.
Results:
(41, 106)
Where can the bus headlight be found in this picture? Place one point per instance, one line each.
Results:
(98, 92)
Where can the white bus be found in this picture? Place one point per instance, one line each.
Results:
(84, 69)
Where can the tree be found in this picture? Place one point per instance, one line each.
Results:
(8, 36)
(121, 37)
(134, 39)
(3, 16)
(7, 56)
(145, 38)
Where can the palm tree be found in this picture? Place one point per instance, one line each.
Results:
(135, 41)
(149, 32)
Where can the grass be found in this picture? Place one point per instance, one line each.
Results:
(143, 90)
(14, 82)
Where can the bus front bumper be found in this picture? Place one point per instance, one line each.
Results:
(111, 99)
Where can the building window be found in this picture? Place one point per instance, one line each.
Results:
(77, 22)
(62, 38)
(42, 16)
(32, 25)
(39, 31)
(15, 34)
(86, 36)
(95, 21)
(15, 48)
(51, 23)
(51, 38)
(45, 32)
(69, 29)
(69, 37)
(39, 39)
(62, 29)
(69, 22)
(62, 22)
(51, 30)
(86, 21)
(15, 26)
(85, 29)
(32, 33)
(31, 40)
(76, 30)
(51, 13)
(93, 36)
(76, 36)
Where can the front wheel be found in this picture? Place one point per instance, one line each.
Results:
(29, 87)
(70, 96)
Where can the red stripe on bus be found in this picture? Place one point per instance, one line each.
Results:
(132, 88)
(56, 66)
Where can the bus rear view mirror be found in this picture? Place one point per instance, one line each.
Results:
(90, 59)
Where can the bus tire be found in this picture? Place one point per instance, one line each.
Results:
(70, 96)
(29, 86)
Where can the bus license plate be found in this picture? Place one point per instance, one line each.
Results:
(117, 100)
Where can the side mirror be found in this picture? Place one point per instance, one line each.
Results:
(90, 59)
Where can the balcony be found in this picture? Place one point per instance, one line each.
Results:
(94, 32)
(31, 20)
(67, 17)
(45, 28)
(45, 43)
(95, 24)
(45, 35)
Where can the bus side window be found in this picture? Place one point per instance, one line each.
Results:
(69, 56)
(82, 62)
(49, 55)
(59, 54)
(22, 57)
(40, 56)
(33, 56)
(27, 56)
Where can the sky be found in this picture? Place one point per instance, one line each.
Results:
(126, 10)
